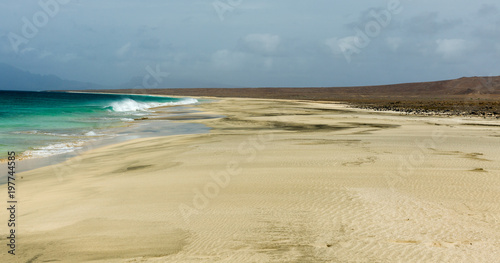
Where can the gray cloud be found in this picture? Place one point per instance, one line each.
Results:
(487, 10)
(257, 43)
(431, 24)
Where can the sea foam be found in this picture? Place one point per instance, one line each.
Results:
(53, 149)
(129, 105)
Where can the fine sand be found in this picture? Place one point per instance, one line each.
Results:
(274, 181)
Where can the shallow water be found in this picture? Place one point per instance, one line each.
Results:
(42, 124)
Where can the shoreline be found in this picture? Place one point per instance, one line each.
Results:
(274, 181)
(39, 162)
(129, 131)
(467, 105)
(97, 117)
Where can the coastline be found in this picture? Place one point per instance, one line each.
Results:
(52, 123)
(274, 181)
(140, 128)
(467, 96)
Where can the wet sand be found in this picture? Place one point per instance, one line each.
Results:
(273, 181)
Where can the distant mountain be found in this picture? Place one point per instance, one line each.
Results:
(463, 88)
(12, 78)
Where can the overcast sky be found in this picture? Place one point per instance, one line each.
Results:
(253, 43)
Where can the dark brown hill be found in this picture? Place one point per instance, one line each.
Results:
(464, 96)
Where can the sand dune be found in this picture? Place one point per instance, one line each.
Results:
(274, 181)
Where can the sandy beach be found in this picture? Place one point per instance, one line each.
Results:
(273, 181)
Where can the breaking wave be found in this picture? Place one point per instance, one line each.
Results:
(130, 105)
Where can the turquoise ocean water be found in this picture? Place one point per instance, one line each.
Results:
(41, 124)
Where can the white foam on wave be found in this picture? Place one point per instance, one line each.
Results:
(91, 133)
(129, 105)
(53, 149)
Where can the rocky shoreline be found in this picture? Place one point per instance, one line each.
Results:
(485, 109)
